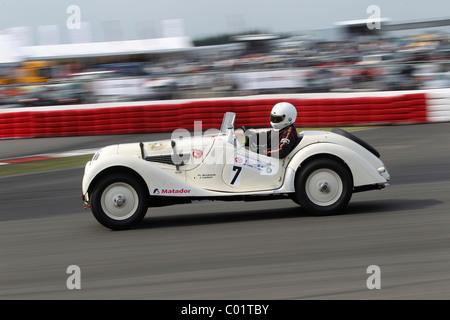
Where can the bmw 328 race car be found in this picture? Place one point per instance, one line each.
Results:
(320, 174)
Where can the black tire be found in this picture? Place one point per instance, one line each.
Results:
(323, 187)
(119, 202)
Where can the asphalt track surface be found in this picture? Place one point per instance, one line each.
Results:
(228, 251)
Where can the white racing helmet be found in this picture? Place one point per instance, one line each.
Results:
(282, 115)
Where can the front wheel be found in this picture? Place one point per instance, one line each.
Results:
(119, 202)
(324, 187)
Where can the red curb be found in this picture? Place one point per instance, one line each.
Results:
(27, 159)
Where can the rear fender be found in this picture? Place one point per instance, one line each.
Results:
(362, 164)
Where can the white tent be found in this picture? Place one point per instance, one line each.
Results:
(10, 51)
(93, 49)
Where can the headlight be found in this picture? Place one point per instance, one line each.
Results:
(96, 155)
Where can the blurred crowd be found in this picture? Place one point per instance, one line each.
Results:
(289, 65)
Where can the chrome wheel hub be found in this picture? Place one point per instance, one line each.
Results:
(324, 187)
(119, 201)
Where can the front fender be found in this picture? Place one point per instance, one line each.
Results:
(362, 164)
(154, 176)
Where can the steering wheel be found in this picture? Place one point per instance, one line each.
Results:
(253, 146)
(251, 140)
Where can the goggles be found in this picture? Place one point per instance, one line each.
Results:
(276, 118)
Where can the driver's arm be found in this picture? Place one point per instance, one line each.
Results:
(287, 142)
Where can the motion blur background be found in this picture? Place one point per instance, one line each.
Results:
(86, 52)
(56, 53)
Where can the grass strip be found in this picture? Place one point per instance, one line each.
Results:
(44, 165)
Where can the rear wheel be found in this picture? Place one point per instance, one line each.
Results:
(119, 202)
(324, 187)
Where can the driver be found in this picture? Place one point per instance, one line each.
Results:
(282, 118)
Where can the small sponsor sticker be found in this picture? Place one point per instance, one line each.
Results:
(239, 160)
(201, 176)
(197, 154)
(176, 191)
(157, 146)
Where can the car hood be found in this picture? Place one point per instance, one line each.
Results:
(193, 150)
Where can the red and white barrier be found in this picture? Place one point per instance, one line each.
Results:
(438, 105)
(314, 110)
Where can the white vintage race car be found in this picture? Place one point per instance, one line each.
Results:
(320, 174)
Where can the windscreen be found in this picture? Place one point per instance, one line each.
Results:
(228, 122)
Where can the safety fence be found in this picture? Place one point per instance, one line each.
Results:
(253, 112)
(438, 105)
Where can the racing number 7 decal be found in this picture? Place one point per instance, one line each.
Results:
(236, 178)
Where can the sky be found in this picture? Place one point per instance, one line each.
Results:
(134, 19)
